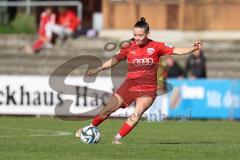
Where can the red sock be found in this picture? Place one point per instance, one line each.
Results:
(97, 120)
(37, 45)
(125, 129)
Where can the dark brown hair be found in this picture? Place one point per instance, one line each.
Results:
(142, 24)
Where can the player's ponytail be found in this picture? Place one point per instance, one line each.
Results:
(142, 19)
(142, 24)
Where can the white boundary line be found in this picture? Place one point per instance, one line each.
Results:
(51, 133)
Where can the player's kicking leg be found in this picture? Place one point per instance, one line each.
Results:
(114, 104)
(142, 104)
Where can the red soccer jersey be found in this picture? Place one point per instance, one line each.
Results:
(69, 20)
(143, 62)
(44, 19)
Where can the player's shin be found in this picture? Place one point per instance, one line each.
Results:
(124, 130)
(97, 120)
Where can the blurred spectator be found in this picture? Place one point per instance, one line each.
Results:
(196, 65)
(44, 39)
(67, 24)
(174, 69)
(168, 68)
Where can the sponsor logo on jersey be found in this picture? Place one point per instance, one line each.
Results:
(150, 51)
(133, 52)
(143, 62)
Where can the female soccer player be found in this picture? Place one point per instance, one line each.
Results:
(142, 55)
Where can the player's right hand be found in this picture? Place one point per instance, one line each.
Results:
(92, 72)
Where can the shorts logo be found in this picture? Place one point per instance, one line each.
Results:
(150, 51)
(170, 46)
(143, 62)
(133, 52)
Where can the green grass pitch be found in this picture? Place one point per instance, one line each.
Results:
(44, 138)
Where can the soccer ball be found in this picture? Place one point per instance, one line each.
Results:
(90, 135)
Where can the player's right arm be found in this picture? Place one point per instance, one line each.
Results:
(121, 55)
(108, 64)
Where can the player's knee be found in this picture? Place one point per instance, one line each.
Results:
(117, 99)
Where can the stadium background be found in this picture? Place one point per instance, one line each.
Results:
(25, 89)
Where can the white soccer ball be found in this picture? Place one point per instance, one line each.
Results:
(90, 135)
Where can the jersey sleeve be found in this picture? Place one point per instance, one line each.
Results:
(41, 30)
(122, 54)
(164, 49)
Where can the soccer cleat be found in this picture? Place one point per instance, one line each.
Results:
(116, 141)
(78, 133)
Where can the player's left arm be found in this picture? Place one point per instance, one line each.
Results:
(182, 51)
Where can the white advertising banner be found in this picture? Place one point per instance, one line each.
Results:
(32, 95)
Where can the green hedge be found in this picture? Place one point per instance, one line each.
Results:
(21, 24)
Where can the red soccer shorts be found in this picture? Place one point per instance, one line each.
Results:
(129, 92)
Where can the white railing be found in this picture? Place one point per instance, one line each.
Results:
(78, 4)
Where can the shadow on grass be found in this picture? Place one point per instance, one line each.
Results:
(179, 143)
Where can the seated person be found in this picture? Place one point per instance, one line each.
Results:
(67, 24)
(44, 39)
